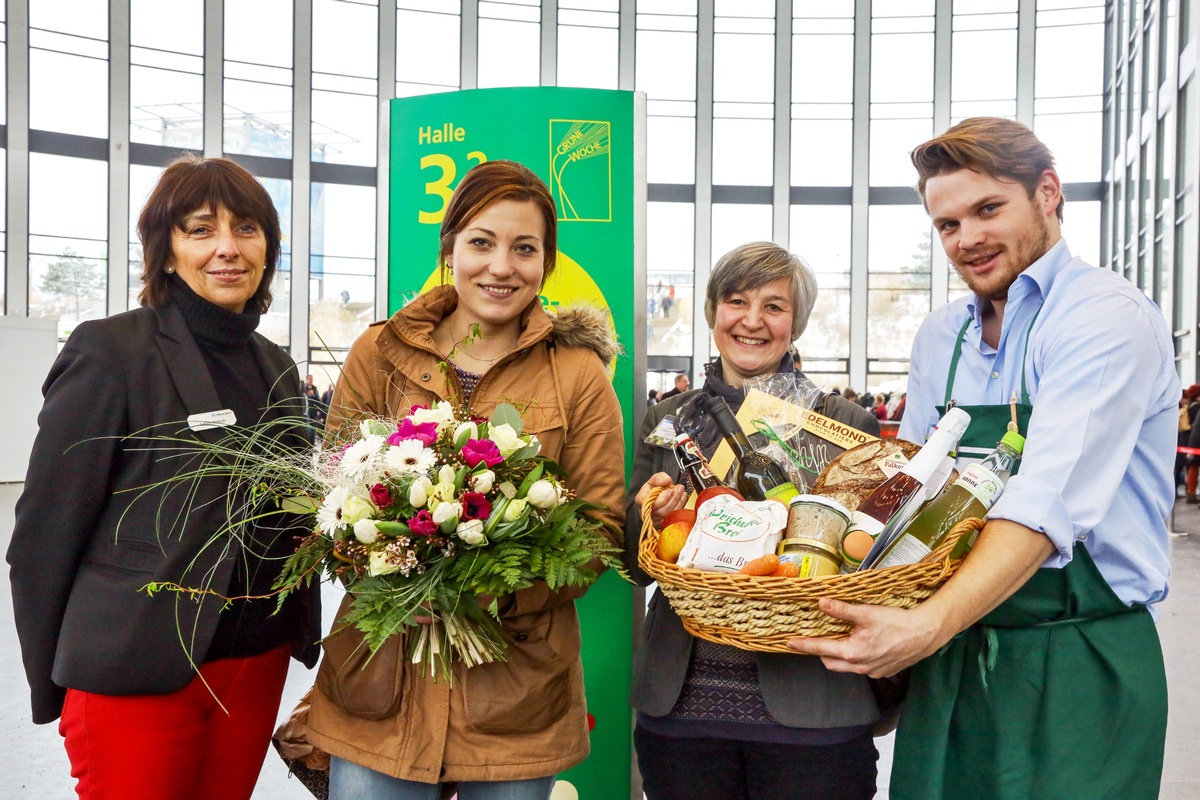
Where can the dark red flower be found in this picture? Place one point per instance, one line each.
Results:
(380, 495)
(422, 524)
(475, 506)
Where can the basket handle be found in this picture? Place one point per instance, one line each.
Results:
(649, 538)
(965, 528)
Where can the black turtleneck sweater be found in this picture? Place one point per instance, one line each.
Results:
(247, 627)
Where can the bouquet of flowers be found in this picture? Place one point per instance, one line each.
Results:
(428, 521)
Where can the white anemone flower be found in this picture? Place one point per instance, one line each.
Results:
(409, 457)
(362, 456)
(329, 515)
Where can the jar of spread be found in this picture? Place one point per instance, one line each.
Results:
(814, 559)
(818, 518)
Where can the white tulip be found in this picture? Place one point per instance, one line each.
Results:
(471, 532)
(418, 492)
(482, 481)
(446, 474)
(466, 430)
(446, 516)
(543, 494)
(366, 531)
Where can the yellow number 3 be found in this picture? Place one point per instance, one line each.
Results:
(441, 186)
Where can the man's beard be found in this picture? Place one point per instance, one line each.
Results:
(1023, 258)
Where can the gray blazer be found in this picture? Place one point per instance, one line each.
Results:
(82, 549)
(798, 690)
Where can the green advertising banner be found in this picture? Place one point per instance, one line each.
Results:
(588, 146)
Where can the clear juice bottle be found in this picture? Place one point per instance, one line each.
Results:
(972, 495)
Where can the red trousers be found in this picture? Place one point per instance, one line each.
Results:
(180, 746)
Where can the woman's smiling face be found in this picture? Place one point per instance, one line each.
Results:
(753, 329)
(220, 256)
(498, 263)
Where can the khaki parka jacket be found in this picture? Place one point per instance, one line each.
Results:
(524, 718)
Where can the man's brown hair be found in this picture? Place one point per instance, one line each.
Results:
(1002, 148)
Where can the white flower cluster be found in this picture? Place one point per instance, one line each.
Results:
(397, 469)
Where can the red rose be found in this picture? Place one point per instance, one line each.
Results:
(380, 495)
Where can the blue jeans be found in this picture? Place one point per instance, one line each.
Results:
(349, 781)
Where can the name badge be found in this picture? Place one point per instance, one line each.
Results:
(212, 419)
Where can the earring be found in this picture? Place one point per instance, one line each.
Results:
(170, 270)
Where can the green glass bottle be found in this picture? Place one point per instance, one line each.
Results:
(972, 495)
(758, 476)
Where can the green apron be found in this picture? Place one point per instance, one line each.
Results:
(1059, 693)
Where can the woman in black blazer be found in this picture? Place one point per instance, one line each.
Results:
(165, 695)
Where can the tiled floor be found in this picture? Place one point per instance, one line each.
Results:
(33, 765)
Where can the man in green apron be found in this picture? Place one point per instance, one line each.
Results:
(1038, 671)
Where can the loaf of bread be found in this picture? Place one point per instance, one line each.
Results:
(853, 475)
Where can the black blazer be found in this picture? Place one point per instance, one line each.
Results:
(82, 549)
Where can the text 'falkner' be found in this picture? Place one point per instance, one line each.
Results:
(446, 133)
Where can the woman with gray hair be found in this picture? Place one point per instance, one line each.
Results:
(714, 721)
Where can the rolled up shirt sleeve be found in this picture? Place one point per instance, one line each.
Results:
(1093, 456)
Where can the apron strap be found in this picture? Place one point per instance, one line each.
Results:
(962, 335)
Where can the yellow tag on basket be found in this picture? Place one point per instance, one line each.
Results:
(788, 420)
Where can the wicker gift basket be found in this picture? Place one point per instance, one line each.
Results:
(764, 613)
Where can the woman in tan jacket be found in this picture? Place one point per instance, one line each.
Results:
(500, 730)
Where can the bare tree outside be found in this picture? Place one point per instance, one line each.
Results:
(72, 278)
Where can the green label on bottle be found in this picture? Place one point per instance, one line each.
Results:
(984, 485)
(784, 492)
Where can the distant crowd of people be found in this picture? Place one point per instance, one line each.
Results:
(885, 406)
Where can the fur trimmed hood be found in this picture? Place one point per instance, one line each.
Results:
(586, 326)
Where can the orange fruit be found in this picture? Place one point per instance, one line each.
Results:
(713, 491)
(687, 515)
(671, 541)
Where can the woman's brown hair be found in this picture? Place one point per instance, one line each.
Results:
(191, 183)
(1002, 148)
(491, 182)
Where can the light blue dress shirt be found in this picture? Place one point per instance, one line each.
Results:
(1100, 447)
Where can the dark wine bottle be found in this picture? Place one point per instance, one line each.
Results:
(758, 476)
